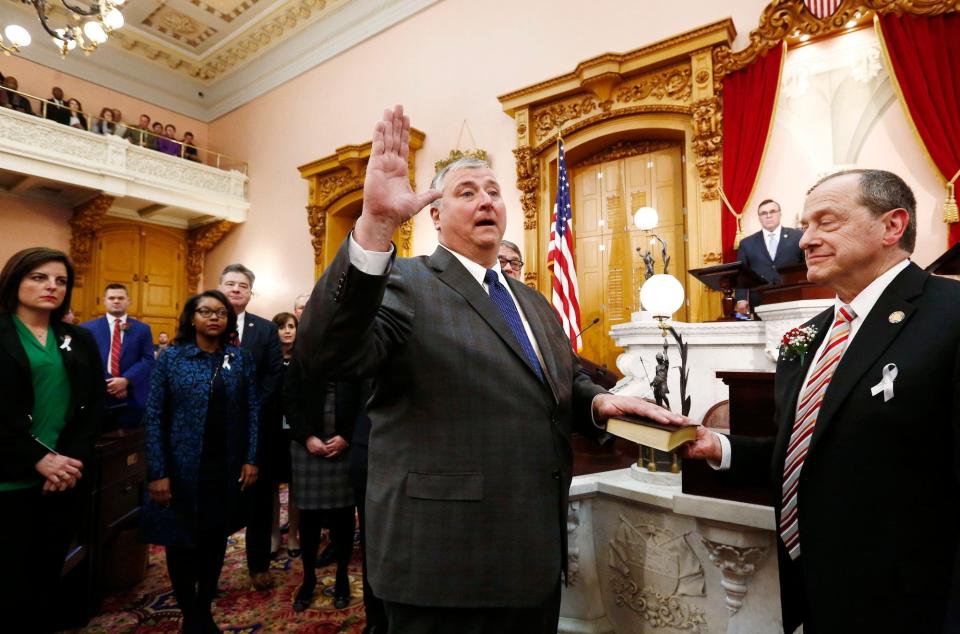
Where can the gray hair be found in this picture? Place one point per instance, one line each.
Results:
(880, 192)
(303, 296)
(238, 268)
(466, 162)
(513, 247)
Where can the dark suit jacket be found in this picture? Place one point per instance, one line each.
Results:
(304, 399)
(261, 341)
(879, 519)
(470, 456)
(19, 452)
(753, 253)
(60, 114)
(136, 357)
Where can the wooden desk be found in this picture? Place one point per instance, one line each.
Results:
(751, 414)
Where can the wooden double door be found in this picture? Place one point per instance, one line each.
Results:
(148, 260)
(609, 247)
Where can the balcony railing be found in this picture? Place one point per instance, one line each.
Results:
(35, 146)
(148, 138)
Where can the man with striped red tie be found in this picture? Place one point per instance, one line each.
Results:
(868, 538)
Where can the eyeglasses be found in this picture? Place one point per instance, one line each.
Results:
(773, 212)
(516, 263)
(207, 313)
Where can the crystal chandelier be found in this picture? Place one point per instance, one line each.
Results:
(88, 27)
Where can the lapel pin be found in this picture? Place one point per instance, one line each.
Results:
(896, 317)
(226, 361)
(66, 343)
(886, 383)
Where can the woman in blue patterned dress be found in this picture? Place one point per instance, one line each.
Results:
(201, 425)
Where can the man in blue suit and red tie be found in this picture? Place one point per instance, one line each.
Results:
(126, 349)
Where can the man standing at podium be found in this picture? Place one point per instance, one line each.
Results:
(864, 463)
(769, 249)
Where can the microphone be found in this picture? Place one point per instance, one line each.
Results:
(596, 320)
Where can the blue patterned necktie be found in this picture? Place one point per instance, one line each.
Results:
(504, 303)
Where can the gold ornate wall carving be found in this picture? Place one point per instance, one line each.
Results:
(335, 178)
(667, 86)
(624, 149)
(199, 242)
(84, 225)
(707, 140)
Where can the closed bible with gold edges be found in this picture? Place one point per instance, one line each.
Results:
(644, 431)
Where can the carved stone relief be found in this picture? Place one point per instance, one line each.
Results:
(737, 564)
(652, 569)
(573, 550)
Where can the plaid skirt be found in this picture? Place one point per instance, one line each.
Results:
(320, 483)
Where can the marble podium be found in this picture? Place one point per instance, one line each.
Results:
(649, 558)
(646, 557)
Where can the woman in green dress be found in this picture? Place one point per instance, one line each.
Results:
(52, 397)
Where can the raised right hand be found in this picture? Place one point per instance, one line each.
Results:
(160, 491)
(388, 199)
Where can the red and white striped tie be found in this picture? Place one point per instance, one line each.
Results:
(809, 406)
(115, 348)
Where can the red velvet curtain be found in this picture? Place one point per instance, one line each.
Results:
(749, 97)
(924, 53)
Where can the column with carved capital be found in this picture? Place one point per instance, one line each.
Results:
(706, 144)
(84, 226)
(742, 556)
(199, 242)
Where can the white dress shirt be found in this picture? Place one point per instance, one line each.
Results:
(775, 234)
(862, 304)
(240, 320)
(111, 322)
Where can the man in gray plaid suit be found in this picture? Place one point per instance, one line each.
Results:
(477, 394)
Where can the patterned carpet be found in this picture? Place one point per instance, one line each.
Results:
(150, 608)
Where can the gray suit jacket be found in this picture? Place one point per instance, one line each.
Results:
(470, 454)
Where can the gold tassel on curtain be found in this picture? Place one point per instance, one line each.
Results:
(950, 204)
(736, 214)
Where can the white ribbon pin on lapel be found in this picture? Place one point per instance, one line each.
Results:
(886, 383)
(66, 343)
(226, 361)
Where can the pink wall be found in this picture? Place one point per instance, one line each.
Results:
(445, 65)
(30, 223)
(39, 81)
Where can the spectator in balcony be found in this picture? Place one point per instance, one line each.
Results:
(168, 143)
(189, 149)
(140, 134)
(104, 123)
(121, 129)
(57, 109)
(15, 100)
(155, 136)
(77, 118)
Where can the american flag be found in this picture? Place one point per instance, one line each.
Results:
(560, 261)
(822, 8)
